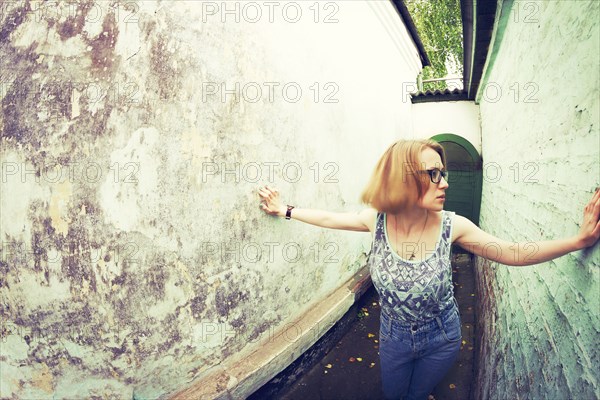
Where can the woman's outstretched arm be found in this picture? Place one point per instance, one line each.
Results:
(471, 238)
(363, 221)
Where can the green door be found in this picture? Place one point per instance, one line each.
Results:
(464, 166)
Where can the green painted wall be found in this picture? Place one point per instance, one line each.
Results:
(540, 111)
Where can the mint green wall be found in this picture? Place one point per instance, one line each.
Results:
(541, 145)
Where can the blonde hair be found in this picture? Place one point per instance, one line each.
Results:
(396, 183)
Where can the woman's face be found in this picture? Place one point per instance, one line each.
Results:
(435, 194)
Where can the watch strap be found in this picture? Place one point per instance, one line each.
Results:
(288, 213)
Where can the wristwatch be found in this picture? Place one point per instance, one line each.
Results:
(288, 213)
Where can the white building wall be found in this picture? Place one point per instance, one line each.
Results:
(458, 117)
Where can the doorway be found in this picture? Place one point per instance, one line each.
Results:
(464, 165)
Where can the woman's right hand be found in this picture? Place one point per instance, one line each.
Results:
(270, 202)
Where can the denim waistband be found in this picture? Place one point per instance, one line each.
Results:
(434, 323)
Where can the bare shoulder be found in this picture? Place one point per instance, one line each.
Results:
(367, 217)
(460, 226)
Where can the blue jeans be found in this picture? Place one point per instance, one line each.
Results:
(415, 358)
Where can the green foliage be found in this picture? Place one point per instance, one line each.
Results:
(439, 26)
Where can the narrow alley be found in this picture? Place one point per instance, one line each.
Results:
(187, 186)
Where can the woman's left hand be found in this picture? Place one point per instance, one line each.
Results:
(590, 228)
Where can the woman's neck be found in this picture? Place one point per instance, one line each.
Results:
(409, 221)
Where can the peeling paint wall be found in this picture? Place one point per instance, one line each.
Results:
(457, 117)
(541, 151)
(134, 136)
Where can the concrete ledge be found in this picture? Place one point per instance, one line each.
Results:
(239, 377)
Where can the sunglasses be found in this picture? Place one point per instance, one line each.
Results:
(436, 174)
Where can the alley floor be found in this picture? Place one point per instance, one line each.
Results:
(350, 371)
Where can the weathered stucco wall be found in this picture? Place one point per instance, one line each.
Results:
(134, 136)
(541, 145)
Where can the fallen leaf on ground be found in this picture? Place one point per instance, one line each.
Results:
(358, 359)
(352, 359)
(328, 366)
(370, 335)
(452, 386)
(464, 342)
(371, 365)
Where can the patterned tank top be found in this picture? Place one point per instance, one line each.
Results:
(414, 292)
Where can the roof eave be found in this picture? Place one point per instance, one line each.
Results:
(412, 29)
(478, 18)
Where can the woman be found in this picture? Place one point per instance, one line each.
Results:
(420, 333)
